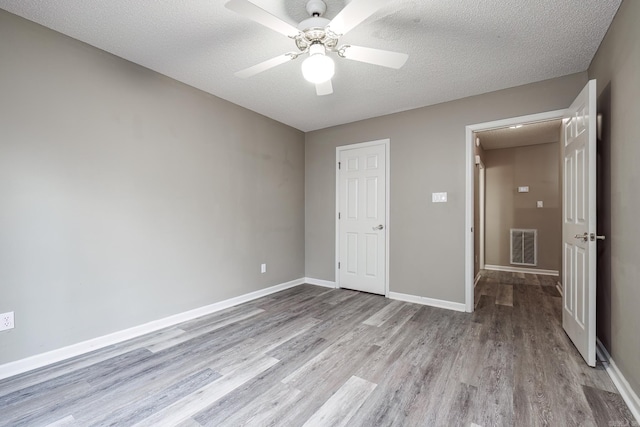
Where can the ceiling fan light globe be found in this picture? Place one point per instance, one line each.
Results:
(318, 68)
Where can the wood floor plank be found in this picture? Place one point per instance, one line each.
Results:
(231, 335)
(229, 360)
(488, 287)
(533, 279)
(45, 408)
(494, 403)
(440, 381)
(189, 422)
(549, 281)
(63, 422)
(114, 392)
(595, 377)
(259, 387)
(396, 323)
(504, 295)
(551, 291)
(136, 409)
(608, 408)
(218, 316)
(384, 314)
(386, 404)
(484, 310)
(265, 410)
(189, 405)
(471, 357)
(340, 408)
(196, 332)
(457, 411)
(339, 359)
(392, 342)
(339, 296)
(79, 365)
(262, 409)
(532, 400)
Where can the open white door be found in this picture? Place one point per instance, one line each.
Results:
(362, 217)
(579, 223)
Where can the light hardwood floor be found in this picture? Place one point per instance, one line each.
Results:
(320, 357)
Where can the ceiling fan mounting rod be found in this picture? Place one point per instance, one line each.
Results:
(316, 8)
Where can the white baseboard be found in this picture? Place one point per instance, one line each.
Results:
(53, 356)
(319, 282)
(628, 395)
(428, 301)
(477, 279)
(559, 288)
(511, 269)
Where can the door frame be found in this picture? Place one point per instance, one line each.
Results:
(387, 145)
(469, 185)
(481, 211)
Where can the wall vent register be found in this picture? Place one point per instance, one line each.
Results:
(524, 244)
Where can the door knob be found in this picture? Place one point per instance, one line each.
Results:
(584, 237)
(595, 237)
(380, 227)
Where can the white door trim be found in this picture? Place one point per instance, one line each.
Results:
(470, 162)
(481, 208)
(387, 151)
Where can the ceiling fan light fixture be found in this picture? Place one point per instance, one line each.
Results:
(318, 67)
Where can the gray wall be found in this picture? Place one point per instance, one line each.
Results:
(427, 155)
(127, 197)
(536, 166)
(616, 67)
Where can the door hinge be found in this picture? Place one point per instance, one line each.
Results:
(338, 266)
(338, 215)
(339, 165)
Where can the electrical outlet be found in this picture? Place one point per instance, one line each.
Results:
(263, 268)
(6, 321)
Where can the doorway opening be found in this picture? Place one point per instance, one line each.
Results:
(476, 166)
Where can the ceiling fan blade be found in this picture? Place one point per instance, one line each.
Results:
(264, 66)
(261, 16)
(384, 58)
(325, 88)
(353, 14)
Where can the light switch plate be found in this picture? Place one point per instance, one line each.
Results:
(438, 197)
(523, 189)
(540, 204)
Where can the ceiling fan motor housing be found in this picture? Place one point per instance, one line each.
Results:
(313, 29)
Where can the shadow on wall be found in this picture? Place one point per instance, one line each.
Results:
(603, 226)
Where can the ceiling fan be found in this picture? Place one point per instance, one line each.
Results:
(318, 37)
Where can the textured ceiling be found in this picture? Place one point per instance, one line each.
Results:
(528, 134)
(456, 49)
